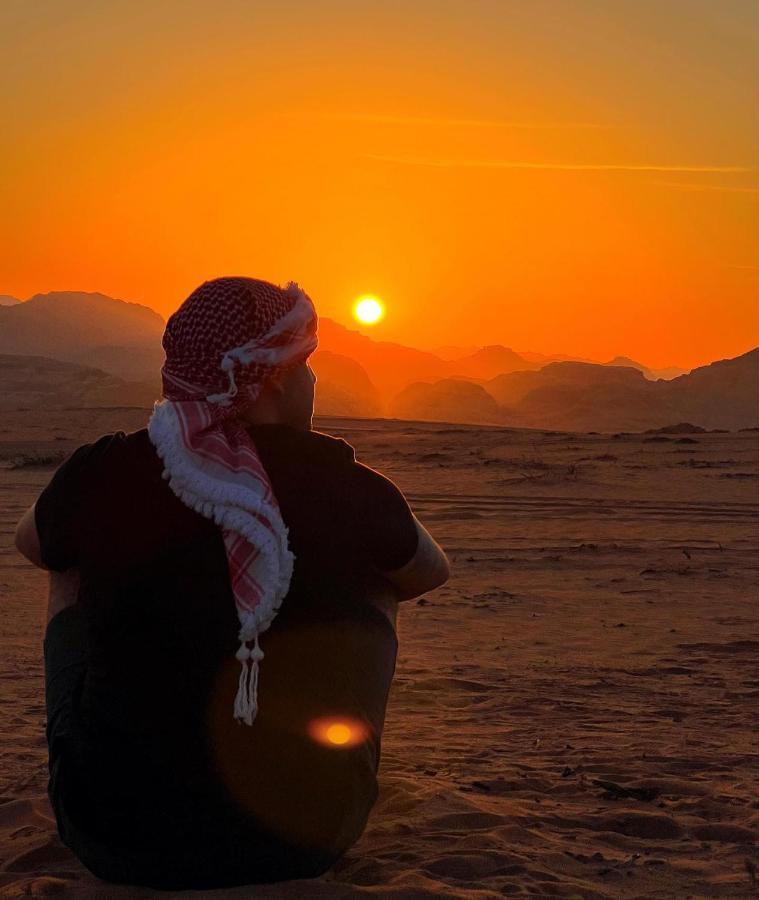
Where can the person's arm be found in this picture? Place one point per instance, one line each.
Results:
(49, 532)
(63, 591)
(404, 555)
(63, 587)
(27, 538)
(427, 569)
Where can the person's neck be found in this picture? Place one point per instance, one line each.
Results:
(272, 422)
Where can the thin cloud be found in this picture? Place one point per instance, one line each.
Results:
(462, 123)
(550, 167)
(686, 186)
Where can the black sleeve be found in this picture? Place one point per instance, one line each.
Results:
(61, 509)
(383, 519)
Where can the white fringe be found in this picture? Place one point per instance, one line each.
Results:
(234, 506)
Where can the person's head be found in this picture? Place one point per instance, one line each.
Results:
(287, 398)
(242, 346)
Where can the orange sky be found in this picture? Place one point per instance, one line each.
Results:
(573, 176)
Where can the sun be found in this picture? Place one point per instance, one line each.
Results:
(368, 309)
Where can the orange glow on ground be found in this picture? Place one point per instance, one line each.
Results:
(338, 731)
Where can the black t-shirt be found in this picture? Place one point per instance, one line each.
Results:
(157, 757)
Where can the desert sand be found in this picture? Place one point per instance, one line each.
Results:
(573, 715)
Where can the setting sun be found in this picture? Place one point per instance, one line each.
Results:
(368, 310)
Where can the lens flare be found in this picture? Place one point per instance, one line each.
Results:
(338, 731)
(368, 310)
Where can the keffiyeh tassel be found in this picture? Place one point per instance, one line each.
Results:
(246, 701)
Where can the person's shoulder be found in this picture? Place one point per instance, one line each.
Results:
(329, 443)
(109, 447)
(97, 449)
(301, 442)
(80, 473)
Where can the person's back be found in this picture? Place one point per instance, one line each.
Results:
(152, 756)
(153, 779)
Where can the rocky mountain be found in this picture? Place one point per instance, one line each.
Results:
(651, 374)
(669, 372)
(487, 362)
(583, 397)
(449, 352)
(137, 362)
(542, 359)
(572, 396)
(625, 362)
(447, 400)
(511, 388)
(561, 395)
(342, 387)
(71, 325)
(724, 394)
(390, 366)
(36, 382)
(114, 355)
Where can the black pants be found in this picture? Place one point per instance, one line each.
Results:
(233, 860)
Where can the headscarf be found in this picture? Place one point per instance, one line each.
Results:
(227, 338)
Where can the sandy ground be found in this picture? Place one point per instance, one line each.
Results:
(574, 714)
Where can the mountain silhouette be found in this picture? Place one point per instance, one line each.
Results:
(513, 387)
(342, 387)
(572, 396)
(581, 397)
(35, 382)
(625, 362)
(487, 362)
(450, 352)
(390, 366)
(447, 400)
(70, 325)
(724, 394)
(114, 353)
(652, 374)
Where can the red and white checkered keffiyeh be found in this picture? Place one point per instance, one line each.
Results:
(223, 342)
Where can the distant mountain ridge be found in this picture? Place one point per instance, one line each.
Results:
(447, 400)
(87, 328)
(359, 376)
(35, 382)
(652, 374)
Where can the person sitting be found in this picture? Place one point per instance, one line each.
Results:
(224, 586)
